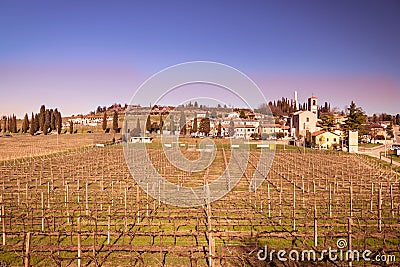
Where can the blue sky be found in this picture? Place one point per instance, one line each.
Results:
(79, 54)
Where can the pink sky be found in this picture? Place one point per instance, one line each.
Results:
(73, 90)
(76, 90)
(374, 94)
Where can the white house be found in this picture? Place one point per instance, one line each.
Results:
(233, 115)
(324, 139)
(245, 131)
(87, 120)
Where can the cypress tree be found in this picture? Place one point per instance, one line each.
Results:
(194, 127)
(37, 122)
(52, 120)
(161, 124)
(47, 122)
(148, 124)
(15, 124)
(115, 121)
(33, 126)
(58, 122)
(42, 117)
(12, 124)
(25, 124)
(105, 121)
(182, 123)
(55, 113)
(71, 127)
(11, 120)
(137, 131)
(8, 124)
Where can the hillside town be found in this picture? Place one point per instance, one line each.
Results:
(308, 124)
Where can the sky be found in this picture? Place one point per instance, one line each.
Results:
(77, 55)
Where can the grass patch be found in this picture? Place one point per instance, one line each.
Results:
(368, 145)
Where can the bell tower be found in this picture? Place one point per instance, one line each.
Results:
(313, 105)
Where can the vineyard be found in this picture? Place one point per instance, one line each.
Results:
(25, 146)
(79, 206)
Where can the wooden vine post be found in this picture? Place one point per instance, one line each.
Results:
(27, 249)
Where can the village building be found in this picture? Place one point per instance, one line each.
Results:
(245, 131)
(325, 140)
(233, 115)
(269, 129)
(303, 122)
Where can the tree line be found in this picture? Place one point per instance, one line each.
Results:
(9, 124)
(357, 120)
(285, 107)
(395, 119)
(46, 121)
(204, 126)
(115, 126)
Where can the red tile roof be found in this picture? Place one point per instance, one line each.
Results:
(321, 132)
(318, 133)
